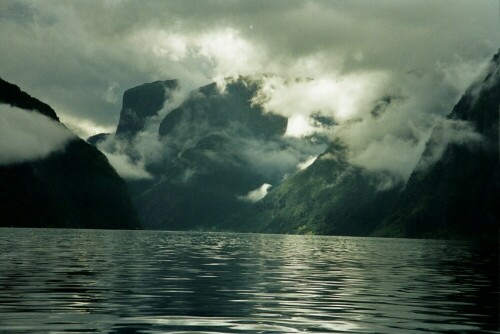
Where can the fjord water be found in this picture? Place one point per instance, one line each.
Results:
(54, 281)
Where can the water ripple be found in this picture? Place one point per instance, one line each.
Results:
(83, 281)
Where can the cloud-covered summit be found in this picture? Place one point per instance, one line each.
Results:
(89, 52)
(419, 56)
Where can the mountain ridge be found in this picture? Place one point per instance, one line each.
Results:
(75, 187)
(13, 95)
(142, 102)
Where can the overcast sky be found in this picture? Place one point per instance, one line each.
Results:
(79, 56)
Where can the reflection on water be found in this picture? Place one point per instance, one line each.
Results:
(156, 282)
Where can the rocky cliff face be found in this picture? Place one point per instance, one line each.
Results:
(140, 103)
(75, 187)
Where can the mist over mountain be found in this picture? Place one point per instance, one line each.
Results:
(28, 136)
(51, 178)
(141, 103)
(208, 159)
(329, 197)
(217, 159)
(451, 194)
(457, 196)
(226, 166)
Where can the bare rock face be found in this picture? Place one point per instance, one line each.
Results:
(142, 102)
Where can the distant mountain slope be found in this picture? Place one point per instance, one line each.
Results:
(457, 196)
(329, 197)
(75, 187)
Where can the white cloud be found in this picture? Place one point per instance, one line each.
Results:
(447, 132)
(111, 95)
(358, 52)
(167, 45)
(129, 158)
(391, 154)
(298, 126)
(341, 97)
(304, 164)
(208, 55)
(274, 159)
(84, 128)
(80, 50)
(256, 194)
(126, 168)
(28, 135)
(231, 54)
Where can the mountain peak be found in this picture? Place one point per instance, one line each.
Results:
(224, 110)
(141, 102)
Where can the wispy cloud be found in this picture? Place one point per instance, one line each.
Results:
(27, 136)
(127, 168)
(256, 194)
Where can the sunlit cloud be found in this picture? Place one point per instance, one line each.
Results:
(84, 128)
(126, 168)
(304, 164)
(256, 194)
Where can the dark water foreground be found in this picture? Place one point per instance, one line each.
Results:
(83, 281)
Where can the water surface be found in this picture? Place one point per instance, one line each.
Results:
(81, 281)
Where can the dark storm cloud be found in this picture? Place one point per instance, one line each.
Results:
(80, 56)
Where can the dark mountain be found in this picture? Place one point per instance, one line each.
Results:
(209, 139)
(230, 111)
(75, 187)
(98, 138)
(14, 96)
(142, 102)
(458, 196)
(329, 197)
